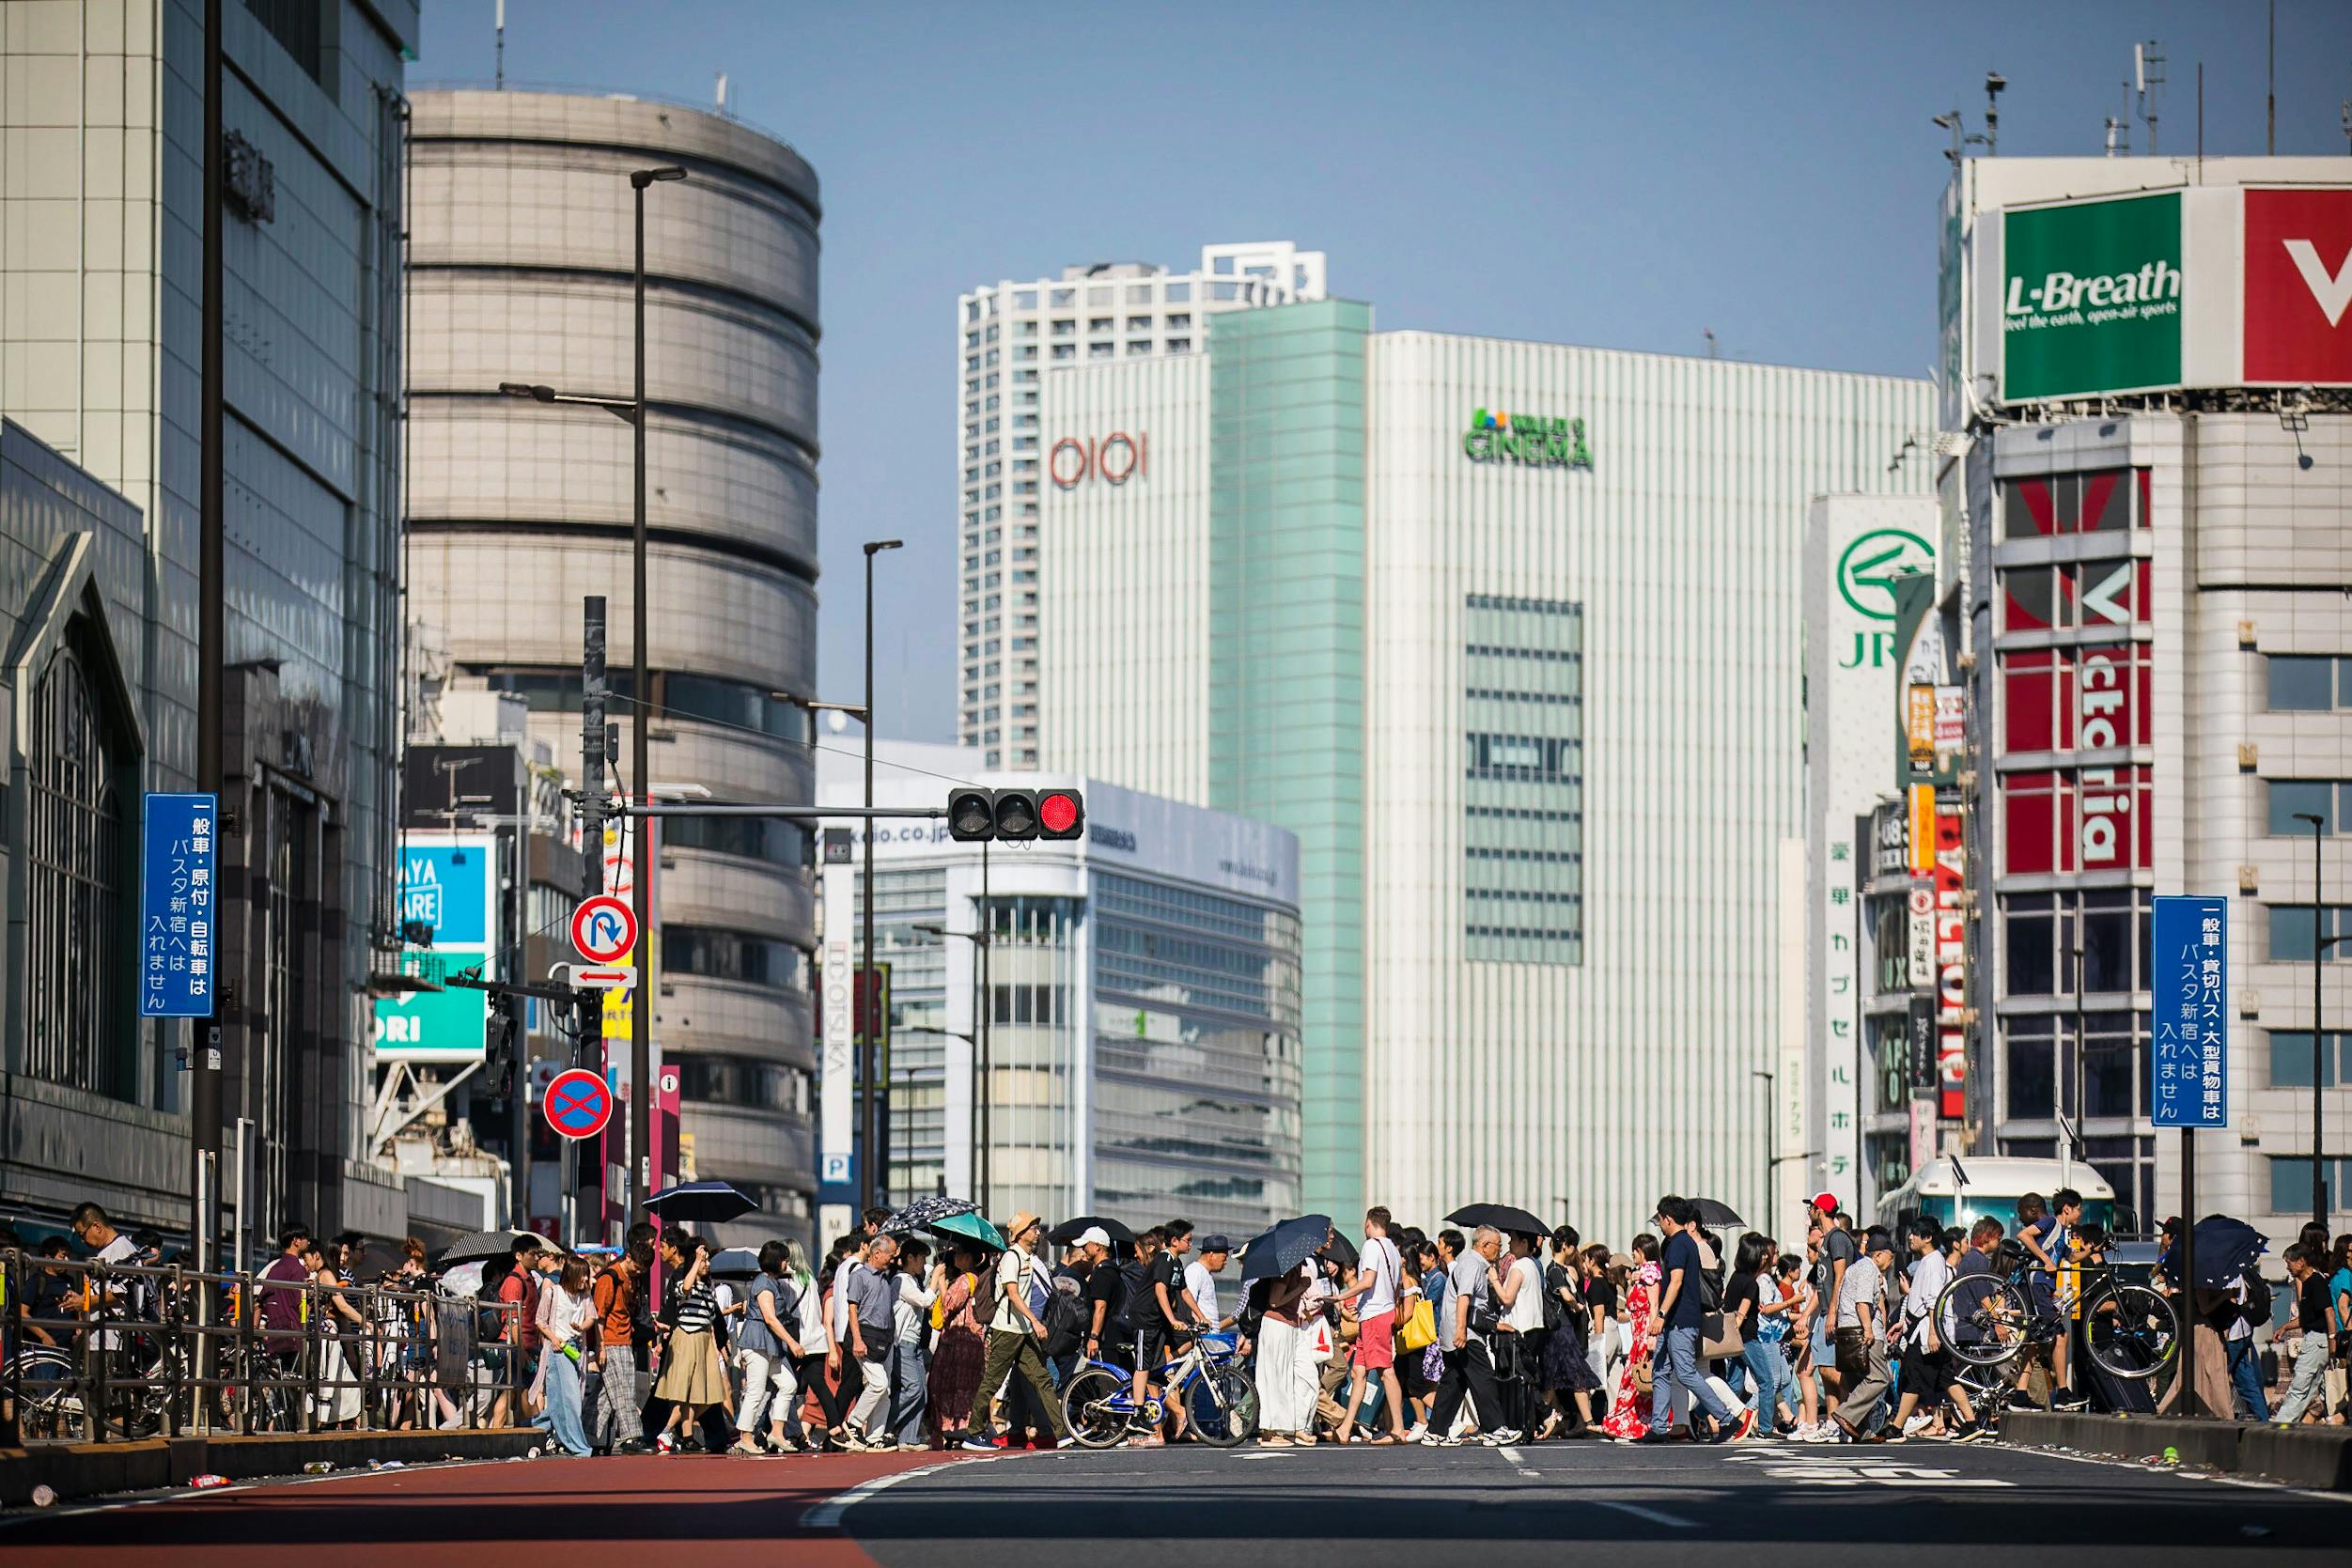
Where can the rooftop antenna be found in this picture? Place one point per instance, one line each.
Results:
(722, 93)
(1962, 137)
(2270, 94)
(2147, 80)
(502, 45)
(1712, 350)
(1995, 85)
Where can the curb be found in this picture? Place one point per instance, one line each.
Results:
(2317, 1458)
(75, 1471)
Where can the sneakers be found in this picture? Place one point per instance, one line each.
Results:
(1917, 1425)
(2070, 1401)
(1065, 1440)
(1419, 1434)
(665, 1444)
(1503, 1436)
(1742, 1432)
(979, 1442)
(1972, 1433)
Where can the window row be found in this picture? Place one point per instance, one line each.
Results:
(1537, 758)
(2095, 595)
(2102, 500)
(715, 953)
(2310, 683)
(2328, 799)
(742, 1081)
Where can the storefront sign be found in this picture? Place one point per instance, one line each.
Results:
(2092, 298)
(2190, 1086)
(1890, 840)
(2298, 287)
(1535, 440)
(1922, 943)
(1951, 1045)
(1113, 458)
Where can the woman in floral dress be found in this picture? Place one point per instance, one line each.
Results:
(957, 1362)
(1630, 1411)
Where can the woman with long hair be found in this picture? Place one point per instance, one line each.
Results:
(693, 1380)
(1629, 1410)
(1803, 1303)
(962, 1353)
(800, 1307)
(1567, 1378)
(564, 1316)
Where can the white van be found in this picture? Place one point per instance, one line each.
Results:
(1961, 1192)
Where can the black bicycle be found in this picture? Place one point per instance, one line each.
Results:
(1989, 1320)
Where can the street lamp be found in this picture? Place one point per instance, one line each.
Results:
(877, 1091)
(2320, 944)
(1772, 1121)
(983, 1165)
(632, 410)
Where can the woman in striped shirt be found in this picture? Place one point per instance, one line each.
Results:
(693, 1379)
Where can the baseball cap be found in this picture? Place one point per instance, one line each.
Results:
(1825, 1201)
(1093, 1235)
(1215, 1244)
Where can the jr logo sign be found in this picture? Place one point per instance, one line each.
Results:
(2298, 287)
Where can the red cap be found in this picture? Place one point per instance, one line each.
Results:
(1826, 1201)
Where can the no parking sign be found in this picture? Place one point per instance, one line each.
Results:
(579, 1103)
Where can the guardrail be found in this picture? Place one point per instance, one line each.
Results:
(93, 1353)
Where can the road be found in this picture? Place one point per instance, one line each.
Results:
(1311, 1507)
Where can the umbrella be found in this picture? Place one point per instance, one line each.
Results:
(1069, 1230)
(2224, 1248)
(924, 1211)
(1717, 1215)
(487, 1247)
(969, 1227)
(1502, 1216)
(1276, 1252)
(735, 1262)
(1341, 1250)
(464, 1280)
(700, 1203)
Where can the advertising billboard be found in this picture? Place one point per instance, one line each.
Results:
(449, 881)
(2092, 298)
(2298, 287)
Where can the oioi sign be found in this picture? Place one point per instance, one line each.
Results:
(2091, 298)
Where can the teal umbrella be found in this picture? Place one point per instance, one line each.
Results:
(968, 1227)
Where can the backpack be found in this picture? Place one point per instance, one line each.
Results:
(1555, 1310)
(1066, 1317)
(2260, 1301)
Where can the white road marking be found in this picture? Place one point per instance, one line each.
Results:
(1857, 1469)
(1517, 1463)
(827, 1514)
(1656, 1517)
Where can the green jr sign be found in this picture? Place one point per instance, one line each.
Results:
(2091, 298)
(1535, 440)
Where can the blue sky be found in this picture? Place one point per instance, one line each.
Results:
(1618, 174)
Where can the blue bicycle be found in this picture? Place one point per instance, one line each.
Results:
(1220, 1397)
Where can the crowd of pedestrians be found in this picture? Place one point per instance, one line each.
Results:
(1480, 1333)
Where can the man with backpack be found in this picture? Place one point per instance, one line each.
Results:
(1016, 1340)
(613, 1397)
(2251, 1303)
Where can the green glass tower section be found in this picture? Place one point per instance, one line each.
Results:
(1286, 729)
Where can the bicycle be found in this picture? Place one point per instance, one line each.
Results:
(2130, 1331)
(1220, 1397)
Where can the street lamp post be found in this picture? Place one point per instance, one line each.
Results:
(984, 1086)
(641, 697)
(1772, 1121)
(2320, 944)
(877, 1091)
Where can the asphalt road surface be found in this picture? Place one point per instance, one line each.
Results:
(1297, 1508)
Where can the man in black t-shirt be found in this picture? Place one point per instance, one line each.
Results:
(1165, 1318)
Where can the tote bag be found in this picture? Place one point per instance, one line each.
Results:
(1421, 1330)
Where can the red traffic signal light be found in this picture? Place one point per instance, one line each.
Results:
(1061, 814)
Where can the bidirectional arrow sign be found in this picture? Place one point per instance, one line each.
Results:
(604, 928)
(605, 977)
(578, 1103)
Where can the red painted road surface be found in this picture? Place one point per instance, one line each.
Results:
(705, 1510)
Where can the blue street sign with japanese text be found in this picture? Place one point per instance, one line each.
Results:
(2190, 1083)
(177, 866)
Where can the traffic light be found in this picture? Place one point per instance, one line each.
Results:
(976, 815)
(500, 1034)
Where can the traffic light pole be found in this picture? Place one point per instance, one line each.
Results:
(587, 1043)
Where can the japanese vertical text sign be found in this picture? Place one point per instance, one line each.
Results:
(176, 916)
(2191, 985)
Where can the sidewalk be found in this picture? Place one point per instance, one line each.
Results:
(2319, 1458)
(96, 1469)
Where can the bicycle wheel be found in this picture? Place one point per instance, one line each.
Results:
(1223, 1404)
(1096, 1404)
(2131, 1329)
(1986, 1321)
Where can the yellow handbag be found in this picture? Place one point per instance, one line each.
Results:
(1421, 1330)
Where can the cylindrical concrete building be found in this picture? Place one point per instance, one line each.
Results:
(522, 271)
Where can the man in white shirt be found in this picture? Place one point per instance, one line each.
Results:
(1377, 1271)
(1860, 1336)
(1927, 1364)
(108, 1246)
(1200, 1278)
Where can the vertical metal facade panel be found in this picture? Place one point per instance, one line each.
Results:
(1587, 1090)
(1123, 616)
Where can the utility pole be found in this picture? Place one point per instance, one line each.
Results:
(204, 1046)
(2321, 943)
(588, 1013)
(877, 1093)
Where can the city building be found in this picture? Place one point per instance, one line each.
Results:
(1010, 333)
(2143, 571)
(1509, 635)
(1141, 1014)
(521, 272)
(102, 201)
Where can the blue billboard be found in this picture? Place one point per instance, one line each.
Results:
(2190, 1083)
(448, 887)
(179, 860)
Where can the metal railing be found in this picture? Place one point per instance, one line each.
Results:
(96, 1353)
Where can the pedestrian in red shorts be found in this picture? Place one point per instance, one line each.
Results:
(1375, 1293)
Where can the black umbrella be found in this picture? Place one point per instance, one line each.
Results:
(735, 1262)
(1276, 1252)
(1717, 1215)
(701, 1203)
(1341, 1250)
(2224, 1248)
(1069, 1230)
(487, 1247)
(925, 1211)
(1502, 1216)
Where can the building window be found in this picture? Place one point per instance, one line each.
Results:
(1523, 872)
(1180, 345)
(2030, 1074)
(2097, 502)
(742, 1081)
(2040, 932)
(2320, 798)
(1178, 293)
(1180, 321)
(711, 952)
(2291, 1059)
(2291, 1183)
(1025, 299)
(2309, 683)
(2290, 931)
(1098, 351)
(1137, 349)
(1098, 323)
(77, 985)
(1139, 323)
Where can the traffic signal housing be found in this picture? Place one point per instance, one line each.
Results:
(976, 815)
(501, 1034)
